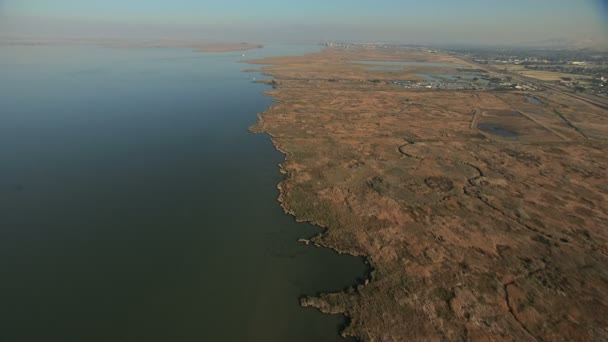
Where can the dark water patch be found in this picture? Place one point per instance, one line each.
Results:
(496, 129)
(534, 100)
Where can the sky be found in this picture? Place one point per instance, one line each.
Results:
(494, 22)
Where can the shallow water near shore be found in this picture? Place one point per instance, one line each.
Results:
(136, 206)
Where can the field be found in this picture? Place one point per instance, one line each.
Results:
(473, 234)
(538, 74)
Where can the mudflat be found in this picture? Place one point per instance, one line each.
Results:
(482, 213)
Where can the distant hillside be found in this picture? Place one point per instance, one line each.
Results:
(595, 43)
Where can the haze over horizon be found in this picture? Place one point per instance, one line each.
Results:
(471, 22)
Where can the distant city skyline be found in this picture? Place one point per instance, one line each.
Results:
(439, 21)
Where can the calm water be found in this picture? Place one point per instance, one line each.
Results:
(135, 206)
(534, 100)
(497, 130)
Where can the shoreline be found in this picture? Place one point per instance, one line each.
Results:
(310, 301)
(319, 301)
(440, 220)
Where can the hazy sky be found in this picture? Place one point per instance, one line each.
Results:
(435, 21)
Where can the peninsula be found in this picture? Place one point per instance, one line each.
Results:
(481, 205)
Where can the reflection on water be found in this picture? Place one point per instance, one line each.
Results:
(135, 206)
